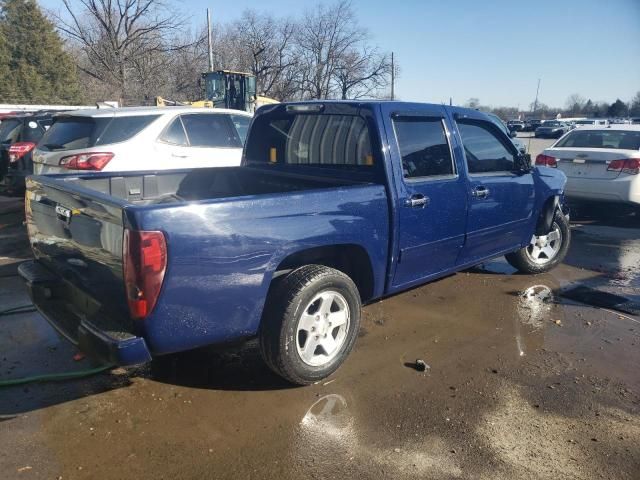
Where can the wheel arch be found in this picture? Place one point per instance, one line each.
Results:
(547, 214)
(351, 259)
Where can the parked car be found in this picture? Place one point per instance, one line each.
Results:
(142, 138)
(592, 122)
(515, 125)
(635, 121)
(335, 204)
(531, 125)
(18, 137)
(522, 148)
(601, 164)
(552, 129)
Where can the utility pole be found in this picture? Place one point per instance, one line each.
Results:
(393, 77)
(210, 49)
(535, 103)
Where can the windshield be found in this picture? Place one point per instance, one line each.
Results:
(585, 122)
(614, 139)
(552, 124)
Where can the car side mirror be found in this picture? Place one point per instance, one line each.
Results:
(523, 162)
(513, 133)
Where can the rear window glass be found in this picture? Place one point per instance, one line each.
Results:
(9, 130)
(121, 129)
(70, 133)
(311, 139)
(616, 139)
(32, 131)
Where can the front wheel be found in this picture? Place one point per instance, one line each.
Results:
(544, 252)
(311, 324)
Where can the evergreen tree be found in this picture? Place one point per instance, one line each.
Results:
(618, 109)
(34, 67)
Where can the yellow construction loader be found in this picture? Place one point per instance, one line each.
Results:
(225, 89)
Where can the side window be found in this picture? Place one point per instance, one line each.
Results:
(484, 149)
(241, 123)
(174, 134)
(210, 130)
(423, 147)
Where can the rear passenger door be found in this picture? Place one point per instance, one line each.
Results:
(500, 198)
(431, 194)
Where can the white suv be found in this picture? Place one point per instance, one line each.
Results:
(142, 138)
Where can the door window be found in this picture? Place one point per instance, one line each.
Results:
(210, 130)
(423, 147)
(484, 148)
(174, 134)
(241, 124)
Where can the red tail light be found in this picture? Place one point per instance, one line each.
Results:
(87, 161)
(144, 257)
(546, 161)
(19, 150)
(630, 166)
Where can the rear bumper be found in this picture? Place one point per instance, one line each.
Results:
(117, 348)
(623, 189)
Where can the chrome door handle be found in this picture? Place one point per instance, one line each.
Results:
(176, 155)
(417, 200)
(480, 192)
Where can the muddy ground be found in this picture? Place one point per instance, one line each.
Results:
(523, 383)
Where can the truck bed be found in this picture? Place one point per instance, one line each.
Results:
(149, 188)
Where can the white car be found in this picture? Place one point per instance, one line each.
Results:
(601, 164)
(142, 138)
(591, 122)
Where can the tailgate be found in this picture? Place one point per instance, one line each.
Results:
(78, 238)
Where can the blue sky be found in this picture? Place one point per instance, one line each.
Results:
(493, 50)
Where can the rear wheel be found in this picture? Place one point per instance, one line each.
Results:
(544, 252)
(310, 324)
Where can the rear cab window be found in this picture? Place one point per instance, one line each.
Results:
(318, 140)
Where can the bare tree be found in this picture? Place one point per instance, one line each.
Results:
(575, 103)
(362, 73)
(325, 36)
(124, 41)
(266, 44)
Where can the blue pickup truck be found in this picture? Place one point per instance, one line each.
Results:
(336, 204)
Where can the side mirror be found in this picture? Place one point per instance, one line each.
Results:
(523, 162)
(513, 133)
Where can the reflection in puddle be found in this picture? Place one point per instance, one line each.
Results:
(534, 305)
(328, 414)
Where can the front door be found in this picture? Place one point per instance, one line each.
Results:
(501, 199)
(431, 195)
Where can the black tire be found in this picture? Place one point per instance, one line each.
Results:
(523, 262)
(286, 304)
